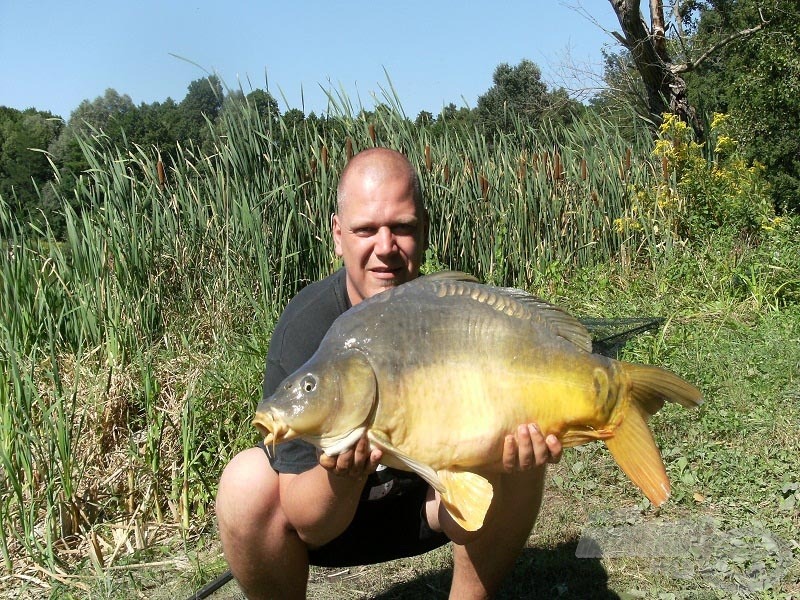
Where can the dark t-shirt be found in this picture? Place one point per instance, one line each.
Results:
(299, 331)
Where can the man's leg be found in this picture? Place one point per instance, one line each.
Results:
(483, 559)
(264, 553)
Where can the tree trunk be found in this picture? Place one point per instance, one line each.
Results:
(666, 89)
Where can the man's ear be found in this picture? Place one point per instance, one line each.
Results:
(336, 230)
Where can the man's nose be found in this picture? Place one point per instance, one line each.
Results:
(385, 242)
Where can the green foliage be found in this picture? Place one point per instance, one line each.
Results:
(699, 192)
(201, 105)
(25, 167)
(519, 93)
(757, 81)
(187, 273)
(135, 352)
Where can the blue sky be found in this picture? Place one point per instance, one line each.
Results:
(54, 54)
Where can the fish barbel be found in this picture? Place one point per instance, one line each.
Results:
(439, 370)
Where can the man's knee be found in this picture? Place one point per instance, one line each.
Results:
(248, 491)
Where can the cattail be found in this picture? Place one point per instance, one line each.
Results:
(522, 171)
(372, 135)
(626, 165)
(348, 149)
(584, 170)
(558, 173)
(324, 156)
(428, 162)
(484, 186)
(446, 174)
(595, 199)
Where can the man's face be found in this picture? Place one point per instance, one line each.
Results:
(379, 233)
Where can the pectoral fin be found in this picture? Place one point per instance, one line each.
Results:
(467, 497)
(637, 455)
(394, 457)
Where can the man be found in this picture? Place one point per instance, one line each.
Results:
(278, 514)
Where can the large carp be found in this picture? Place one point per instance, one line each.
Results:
(439, 370)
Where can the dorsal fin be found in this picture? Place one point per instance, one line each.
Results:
(563, 323)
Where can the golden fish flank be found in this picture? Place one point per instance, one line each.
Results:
(446, 349)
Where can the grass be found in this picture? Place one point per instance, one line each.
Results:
(133, 360)
(734, 462)
(736, 455)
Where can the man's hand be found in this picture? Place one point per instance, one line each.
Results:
(356, 463)
(528, 448)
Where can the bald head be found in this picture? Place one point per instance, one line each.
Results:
(380, 227)
(376, 164)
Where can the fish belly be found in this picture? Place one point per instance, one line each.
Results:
(457, 412)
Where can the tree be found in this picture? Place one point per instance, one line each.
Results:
(520, 94)
(424, 119)
(105, 113)
(561, 108)
(24, 168)
(452, 118)
(203, 101)
(293, 117)
(516, 91)
(265, 104)
(624, 93)
(101, 112)
(663, 75)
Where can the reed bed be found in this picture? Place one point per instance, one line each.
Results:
(131, 350)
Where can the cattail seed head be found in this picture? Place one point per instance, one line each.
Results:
(484, 186)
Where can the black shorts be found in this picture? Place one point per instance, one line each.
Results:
(382, 530)
(393, 526)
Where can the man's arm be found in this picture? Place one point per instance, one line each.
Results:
(320, 503)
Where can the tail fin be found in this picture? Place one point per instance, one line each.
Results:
(652, 386)
(632, 445)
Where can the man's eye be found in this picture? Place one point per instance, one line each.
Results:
(364, 231)
(404, 229)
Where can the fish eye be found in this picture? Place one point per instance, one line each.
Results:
(308, 383)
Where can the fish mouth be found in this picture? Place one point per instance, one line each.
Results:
(273, 429)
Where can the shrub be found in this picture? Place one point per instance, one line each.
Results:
(701, 187)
